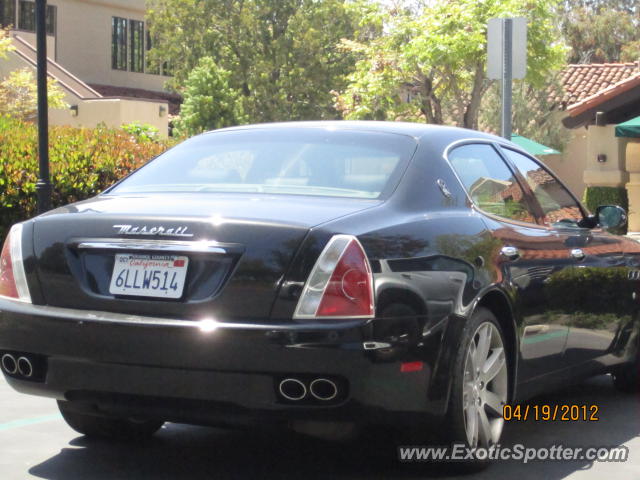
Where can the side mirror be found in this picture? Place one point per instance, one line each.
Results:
(611, 217)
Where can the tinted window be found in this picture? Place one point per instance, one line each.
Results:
(27, 18)
(299, 162)
(489, 182)
(559, 207)
(7, 13)
(136, 31)
(119, 43)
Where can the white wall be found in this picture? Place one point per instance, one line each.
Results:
(83, 41)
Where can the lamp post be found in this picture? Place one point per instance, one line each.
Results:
(43, 185)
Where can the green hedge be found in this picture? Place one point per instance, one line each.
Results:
(596, 196)
(83, 162)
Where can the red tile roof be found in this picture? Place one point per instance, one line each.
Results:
(583, 81)
(603, 95)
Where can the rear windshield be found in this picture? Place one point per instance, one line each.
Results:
(300, 161)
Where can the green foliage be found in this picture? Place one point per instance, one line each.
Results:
(83, 163)
(534, 116)
(5, 44)
(282, 55)
(596, 290)
(19, 95)
(437, 53)
(596, 196)
(601, 31)
(210, 102)
(142, 132)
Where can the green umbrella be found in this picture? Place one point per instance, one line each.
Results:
(534, 148)
(629, 129)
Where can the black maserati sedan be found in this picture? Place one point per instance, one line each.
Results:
(320, 276)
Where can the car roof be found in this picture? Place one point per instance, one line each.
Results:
(415, 130)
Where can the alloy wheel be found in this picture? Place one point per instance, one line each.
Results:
(485, 386)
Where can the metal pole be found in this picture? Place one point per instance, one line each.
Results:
(507, 58)
(43, 185)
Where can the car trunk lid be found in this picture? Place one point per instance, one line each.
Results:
(236, 248)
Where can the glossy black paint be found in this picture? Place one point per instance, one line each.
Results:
(435, 258)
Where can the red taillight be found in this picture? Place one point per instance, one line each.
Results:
(340, 284)
(7, 281)
(13, 281)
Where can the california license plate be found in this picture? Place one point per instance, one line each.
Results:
(149, 275)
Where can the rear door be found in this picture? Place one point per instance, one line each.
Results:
(588, 296)
(528, 253)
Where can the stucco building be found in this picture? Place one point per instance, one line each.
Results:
(97, 52)
(597, 98)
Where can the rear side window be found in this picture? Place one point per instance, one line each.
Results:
(559, 207)
(490, 183)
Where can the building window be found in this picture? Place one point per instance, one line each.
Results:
(119, 43)
(27, 17)
(7, 13)
(136, 60)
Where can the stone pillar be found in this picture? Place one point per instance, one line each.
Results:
(633, 187)
(601, 140)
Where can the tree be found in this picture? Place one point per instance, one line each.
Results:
(5, 43)
(534, 113)
(19, 95)
(437, 56)
(209, 100)
(18, 91)
(600, 31)
(281, 55)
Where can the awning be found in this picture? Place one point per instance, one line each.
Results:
(629, 129)
(534, 148)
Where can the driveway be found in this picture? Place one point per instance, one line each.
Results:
(36, 443)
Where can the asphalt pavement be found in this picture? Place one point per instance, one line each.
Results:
(36, 443)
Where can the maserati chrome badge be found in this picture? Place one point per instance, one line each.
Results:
(160, 231)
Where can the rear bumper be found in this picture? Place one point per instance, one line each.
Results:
(213, 373)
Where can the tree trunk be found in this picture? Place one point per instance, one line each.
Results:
(470, 119)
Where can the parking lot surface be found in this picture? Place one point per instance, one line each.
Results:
(36, 443)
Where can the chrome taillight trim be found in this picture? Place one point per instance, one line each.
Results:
(19, 275)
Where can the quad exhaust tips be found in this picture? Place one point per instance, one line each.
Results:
(9, 364)
(23, 366)
(321, 389)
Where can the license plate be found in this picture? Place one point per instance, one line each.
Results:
(149, 275)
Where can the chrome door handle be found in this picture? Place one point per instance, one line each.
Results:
(578, 254)
(510, 253)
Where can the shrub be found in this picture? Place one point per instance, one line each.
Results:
(596, 196)
(143, 132)
(209, 100)
(83, 162)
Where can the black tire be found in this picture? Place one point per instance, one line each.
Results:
(114, 428)
(627, 378)
(455, 426)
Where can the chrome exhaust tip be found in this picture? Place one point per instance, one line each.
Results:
(323, 389)
(25, 368)
(292, 389)
(9, 364)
